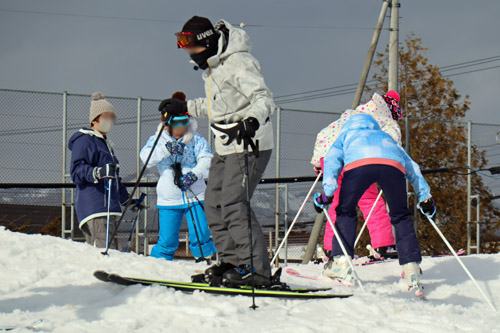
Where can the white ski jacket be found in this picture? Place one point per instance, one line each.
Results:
(196, 158)
(235, 90)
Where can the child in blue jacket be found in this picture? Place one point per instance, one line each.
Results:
(93, 164)
(369, 155)
(183, 158)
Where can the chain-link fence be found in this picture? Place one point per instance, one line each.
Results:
(36, 128)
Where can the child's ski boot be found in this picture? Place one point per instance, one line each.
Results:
(412, 274)
(338, 269)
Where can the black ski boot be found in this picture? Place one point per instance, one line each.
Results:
(213, 274)
(242, 276)
(388, 252)
(208, 260)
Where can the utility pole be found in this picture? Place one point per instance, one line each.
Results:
(394, 46)
(371, 52)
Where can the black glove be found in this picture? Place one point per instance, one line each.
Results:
(172, 107)
(136, 204)
(107, 171)
(241, 131)
(321, 201)
(249, 127)
(427, 208)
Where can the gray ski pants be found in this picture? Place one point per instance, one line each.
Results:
(226, 209)
(95, 231)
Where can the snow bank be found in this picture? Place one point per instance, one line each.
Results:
(50, 278)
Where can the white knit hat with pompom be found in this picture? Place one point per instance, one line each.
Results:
(99, 105)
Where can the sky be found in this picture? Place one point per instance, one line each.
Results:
(301, 45)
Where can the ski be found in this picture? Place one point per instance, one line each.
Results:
(459, 253)
(16, 327)
(373, 262)
(190, 287)
(296, 273)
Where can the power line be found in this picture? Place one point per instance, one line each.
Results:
(497, 57)
(471, 65)
(473, 71)
(318, 96)
(143, 19)
(446, 68)
(89, 16)
(308, 27)
(318, 90)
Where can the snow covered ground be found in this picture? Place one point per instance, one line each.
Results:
(48, 278)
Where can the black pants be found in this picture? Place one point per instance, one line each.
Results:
(393, 183)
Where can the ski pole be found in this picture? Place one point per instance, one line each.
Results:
(249, 215)
(136, 185)
(343, 249)
(296, 217)
(195, 228)
(431, 221)
(138, 207)
(132, 232)
(109, 212)
(367, 218)
(196, 197)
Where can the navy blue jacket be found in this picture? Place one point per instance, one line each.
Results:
(90, 150)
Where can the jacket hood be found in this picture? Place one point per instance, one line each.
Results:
(376, 107)
(238, 41)
(84, 131)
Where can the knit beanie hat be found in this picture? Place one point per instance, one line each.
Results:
(202, 28)
(179, 95)
(394, 94)
(99, 106)
(392, 100)
(197, 24)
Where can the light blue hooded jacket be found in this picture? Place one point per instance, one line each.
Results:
(363, 142)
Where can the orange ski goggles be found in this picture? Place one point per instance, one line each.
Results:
(185, 39)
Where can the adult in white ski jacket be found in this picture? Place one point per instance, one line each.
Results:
(239, 106)
(235, 90)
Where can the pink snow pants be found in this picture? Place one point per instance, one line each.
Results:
(379, 224)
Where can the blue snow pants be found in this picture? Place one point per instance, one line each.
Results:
(170, 225)
(392, 182)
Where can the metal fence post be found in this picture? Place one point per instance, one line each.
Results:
(145, 231)
(64, 139)
(478, 229)
(286, 224)
(277, 188)
(138, 168)
(469, 180)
